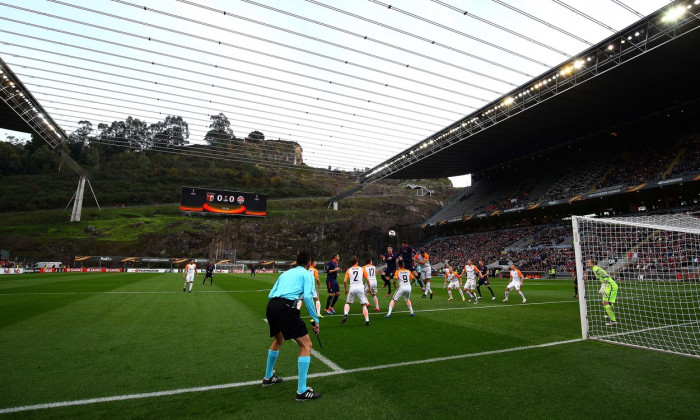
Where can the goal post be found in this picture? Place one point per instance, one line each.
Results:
(652, 286)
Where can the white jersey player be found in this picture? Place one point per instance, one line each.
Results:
(403, 277)
(423, 259)
(516, 282)
(188, 274)
(371, 272)
(471, 271)
(355, 278)
(455, 282)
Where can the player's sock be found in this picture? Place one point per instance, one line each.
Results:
(449, 293)
(271, 359)
(191, 286)
(376, 302)
(318, 306)
(328, 301)
(427, 288)
(335, 299)
(346, 309)
(521, 295)
(610, 312)
(410, 307)
(365, 313)
(478, 289)
(506, 294)
(461, 293)
(491, 290)
(303, 363)
(391, 307)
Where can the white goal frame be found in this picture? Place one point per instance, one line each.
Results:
(657, 306)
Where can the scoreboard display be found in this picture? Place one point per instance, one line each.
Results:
(211, 201)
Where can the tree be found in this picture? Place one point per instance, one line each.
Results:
(256, 135)
(80, 138)
(10, 158)
(219, 131)
(131, 133)
(173, 131)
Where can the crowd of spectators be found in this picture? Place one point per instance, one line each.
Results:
(639, 165)
(689, 161)
(544, 252)
(7, 263)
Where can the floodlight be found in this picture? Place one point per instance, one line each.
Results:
(508, 101)
(674, 13)
(611, 47)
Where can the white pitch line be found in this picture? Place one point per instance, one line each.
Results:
(258, 382)
(326, 361)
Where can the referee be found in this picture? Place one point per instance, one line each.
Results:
(285, 324)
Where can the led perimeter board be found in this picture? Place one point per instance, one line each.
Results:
(234, 203)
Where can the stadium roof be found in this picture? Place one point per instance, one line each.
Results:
(654, 77)
(352, 82)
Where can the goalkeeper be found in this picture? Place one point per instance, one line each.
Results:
(608, 289)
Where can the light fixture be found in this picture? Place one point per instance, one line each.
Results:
(674, 13)
(611, 47)
(578, 64)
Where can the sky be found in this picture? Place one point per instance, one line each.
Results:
(354, 82)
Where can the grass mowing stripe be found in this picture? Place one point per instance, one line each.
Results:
(258, 382)
(131, 293)
(484, 306)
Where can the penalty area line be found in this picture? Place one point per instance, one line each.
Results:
(258, 382)
(326, 361)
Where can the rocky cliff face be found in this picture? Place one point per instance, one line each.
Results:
(360, 229)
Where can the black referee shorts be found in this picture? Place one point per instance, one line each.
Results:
(283, 316)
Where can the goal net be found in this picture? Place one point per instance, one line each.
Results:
(654, 295)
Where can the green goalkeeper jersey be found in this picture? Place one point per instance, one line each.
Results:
(604, 278)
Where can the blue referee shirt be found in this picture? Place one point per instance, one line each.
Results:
(293, 285)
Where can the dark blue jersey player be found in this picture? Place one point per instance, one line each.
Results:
(332, 269)
(406, 254)
(484, 279)
(209, 272)
(390, 257)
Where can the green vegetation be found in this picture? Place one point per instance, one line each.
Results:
(357, 228)
(70, 337)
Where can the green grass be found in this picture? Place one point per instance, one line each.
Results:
(66, 337)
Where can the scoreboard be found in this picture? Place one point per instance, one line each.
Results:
(211, 201)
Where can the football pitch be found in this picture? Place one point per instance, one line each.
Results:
(81, 345)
